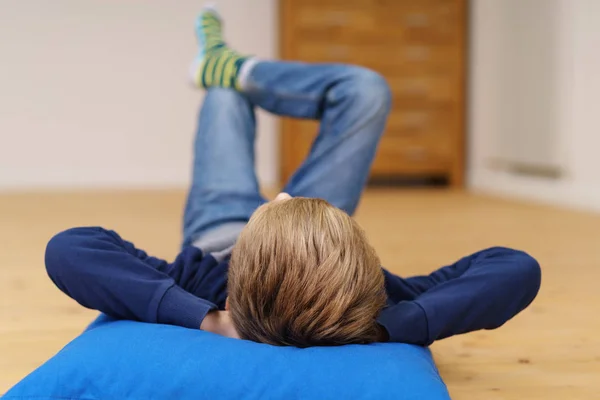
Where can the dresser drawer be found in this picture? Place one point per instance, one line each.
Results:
(324, 16)
(413, 156)
(427, 6)
(401, 59)
(422, 21)
(417, 122)
(421, 88)
(412, 22)
(364, 4)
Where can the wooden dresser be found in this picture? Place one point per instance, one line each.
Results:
(419, 47)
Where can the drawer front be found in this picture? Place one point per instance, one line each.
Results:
(326, 16)
(422, 122)
(413, 156)
(401, 59)
(422, 21)
(411, 89)
(366, 4)
(362, 21)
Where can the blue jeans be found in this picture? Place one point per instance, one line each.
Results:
(352, 104)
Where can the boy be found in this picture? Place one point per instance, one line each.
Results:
(296, 271)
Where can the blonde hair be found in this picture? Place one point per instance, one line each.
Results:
(303, 274)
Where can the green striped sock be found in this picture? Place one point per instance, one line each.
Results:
(216, 64)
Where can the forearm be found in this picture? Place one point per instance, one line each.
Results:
(99, 270)
(494, 285)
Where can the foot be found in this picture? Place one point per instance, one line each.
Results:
(216, 64)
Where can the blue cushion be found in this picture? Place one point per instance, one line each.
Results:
(134, 360)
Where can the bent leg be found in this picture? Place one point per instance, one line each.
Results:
(352, 104)
(224, 191)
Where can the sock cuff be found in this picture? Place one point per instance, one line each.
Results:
(194, 71)
(244, 72)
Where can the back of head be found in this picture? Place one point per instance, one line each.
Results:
(303, 274)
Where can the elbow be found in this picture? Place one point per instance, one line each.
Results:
(527, 275)
(531, 273)
(62, 251)
(518, 284)
(57, 253)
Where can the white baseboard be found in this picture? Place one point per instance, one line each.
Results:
(88, 178)
(565, 192)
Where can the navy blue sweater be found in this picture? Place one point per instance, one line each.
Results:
(101, 271)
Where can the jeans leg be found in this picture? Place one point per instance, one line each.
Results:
(224, 191)
(352, 103)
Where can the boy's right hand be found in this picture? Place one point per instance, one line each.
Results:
(219, 322)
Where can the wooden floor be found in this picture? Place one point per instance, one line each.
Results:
(551, 351)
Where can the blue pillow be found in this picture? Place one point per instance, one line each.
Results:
(133, 360)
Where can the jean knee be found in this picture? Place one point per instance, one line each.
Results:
(371, 89)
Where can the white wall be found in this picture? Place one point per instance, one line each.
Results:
(574, 110)
(94, 93)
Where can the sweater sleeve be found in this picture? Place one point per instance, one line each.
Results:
(481, 291)
(101, 271)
